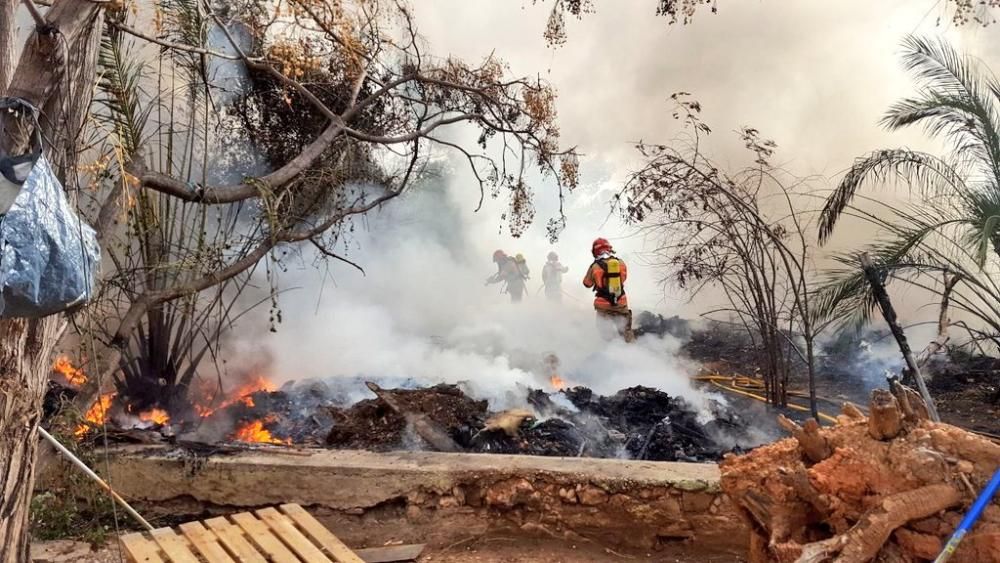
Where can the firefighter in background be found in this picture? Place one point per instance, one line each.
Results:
(522, 267)
(552, 274)
(606, 276)
(513, 272)
(500, 259)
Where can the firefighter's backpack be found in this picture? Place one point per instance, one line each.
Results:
(613, 279)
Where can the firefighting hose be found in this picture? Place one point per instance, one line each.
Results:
(965, 526)
(746, 386)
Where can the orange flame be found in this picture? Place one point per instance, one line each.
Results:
(96, 415)
(254, 432)
(558, 383)
(242, 394)
(73, 375)
(156, 416)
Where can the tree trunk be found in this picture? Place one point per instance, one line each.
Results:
(812, 443)
(811, 361)
(886, 420)
(876, 279)
(26, 345)
(25, 350)
(8, 31)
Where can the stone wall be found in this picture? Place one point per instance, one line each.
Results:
(441, 498)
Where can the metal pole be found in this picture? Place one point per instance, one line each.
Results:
(970, 518)
(83, 467)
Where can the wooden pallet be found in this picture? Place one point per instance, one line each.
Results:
(288, 534)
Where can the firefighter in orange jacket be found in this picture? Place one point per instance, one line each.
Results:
(606, 276)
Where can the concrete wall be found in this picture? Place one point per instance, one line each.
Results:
(439, 498)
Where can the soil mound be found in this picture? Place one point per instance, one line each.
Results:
(890, 487)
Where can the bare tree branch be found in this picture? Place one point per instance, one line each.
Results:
(170, 44)
(331, 254)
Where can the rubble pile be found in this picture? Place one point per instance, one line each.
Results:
(889, 487)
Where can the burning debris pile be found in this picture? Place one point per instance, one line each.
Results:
(635, 423)
(889, 487)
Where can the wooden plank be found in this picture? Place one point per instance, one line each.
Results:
(262, 537)
(293, 538)
(173, 546)
(319, 534)
(391, 554)
(234, 541)
(139, 549)
(205, 542)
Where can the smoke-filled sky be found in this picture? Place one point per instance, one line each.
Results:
(813, 75)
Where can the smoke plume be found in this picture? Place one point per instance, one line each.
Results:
(421, 313)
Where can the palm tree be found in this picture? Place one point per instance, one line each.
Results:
(955, 222)
(959, 103)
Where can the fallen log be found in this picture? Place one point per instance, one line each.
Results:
(892, 489)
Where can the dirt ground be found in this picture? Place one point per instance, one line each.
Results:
(502, 549)
(966, 400)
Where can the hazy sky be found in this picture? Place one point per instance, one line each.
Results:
(813, 75)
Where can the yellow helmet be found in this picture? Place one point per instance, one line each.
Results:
(519, 258)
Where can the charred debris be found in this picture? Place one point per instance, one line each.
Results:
(635, 423)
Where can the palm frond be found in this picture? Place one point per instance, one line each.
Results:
(184, 22)
(120, 91)
(962, 88)
(925, 173)
(982, 210)
(988, 238)
(846, 296)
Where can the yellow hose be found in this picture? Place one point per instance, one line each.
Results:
(738, 384)
(743, 384)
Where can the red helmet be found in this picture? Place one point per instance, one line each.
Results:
(499, 255)
(600, 246)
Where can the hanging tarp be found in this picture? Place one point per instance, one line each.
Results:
(49, 257)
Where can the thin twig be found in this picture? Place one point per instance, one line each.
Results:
(170, 44)
(327, 252)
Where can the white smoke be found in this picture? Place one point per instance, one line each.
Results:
(422, 311)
